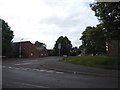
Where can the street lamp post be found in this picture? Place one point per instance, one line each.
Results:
(20, 48)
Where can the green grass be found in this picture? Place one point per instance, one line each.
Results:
(95, 61)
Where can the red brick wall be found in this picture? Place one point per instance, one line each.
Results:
(43, 53)
(29, 50)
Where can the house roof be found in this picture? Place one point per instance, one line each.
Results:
(23, 42)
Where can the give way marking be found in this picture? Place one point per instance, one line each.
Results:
(22, 64)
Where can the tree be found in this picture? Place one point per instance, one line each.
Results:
(108, 13)
(39, 44)
(7, 36)
(93, 40)
(75, 51)
(65, 46)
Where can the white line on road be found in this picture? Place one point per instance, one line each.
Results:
(22, 64)
(60, 72)
(29, 60)
(27, 84)
(50, 71)
(28, 68)
(42, 70)
(3, 66)
(39, 70)
(37, 86)
(10, 67)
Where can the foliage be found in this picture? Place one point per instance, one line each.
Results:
(75, 51)
(50, 52)
(108, 13)
(65, 46)
(7, 36)
(39, 44)
(93, 40)
(95, 61)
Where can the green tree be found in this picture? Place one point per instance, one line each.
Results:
(81, 47)
(65, 46)
(7, 36)
(108, 13)
(93, 40)
(39, 44)
(75, 51)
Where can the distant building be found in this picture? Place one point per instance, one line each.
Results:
(26, 49)
(43, 52)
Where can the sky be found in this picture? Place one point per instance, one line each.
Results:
(46, 20)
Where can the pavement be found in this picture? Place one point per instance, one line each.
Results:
(56, 65)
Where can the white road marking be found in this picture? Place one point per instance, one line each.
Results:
(3, 66)
(74, 72)
(37, 86)
(37, 70)
(42, 70)
(17, 64)
(22, 64)
(29, 60)
(60, 72)
(50, 71)
(9, 67)
(27, 84)
(28, 68)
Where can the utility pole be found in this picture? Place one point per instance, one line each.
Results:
(20, 48)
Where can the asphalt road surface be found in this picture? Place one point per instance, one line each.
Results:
(30, 74)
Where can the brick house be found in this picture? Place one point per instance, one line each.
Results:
(28, 50)
(43, 52)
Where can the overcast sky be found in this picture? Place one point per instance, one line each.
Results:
(46, 20)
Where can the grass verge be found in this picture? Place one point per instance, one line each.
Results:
(95, 61)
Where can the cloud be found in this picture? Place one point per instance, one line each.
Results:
(77, 17)
(47, 20)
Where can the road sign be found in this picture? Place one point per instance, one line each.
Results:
(59, 46)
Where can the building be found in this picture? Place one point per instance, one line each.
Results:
(26, 49)
(43, 52)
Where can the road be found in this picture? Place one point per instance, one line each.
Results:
(30, 74)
